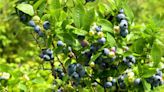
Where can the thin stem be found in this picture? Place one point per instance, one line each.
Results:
(61, 64)
(36, 41)
(52, 69)
(59, 60)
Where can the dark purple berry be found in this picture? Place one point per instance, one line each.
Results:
(46, 25)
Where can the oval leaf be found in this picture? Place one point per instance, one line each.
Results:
(26, 8)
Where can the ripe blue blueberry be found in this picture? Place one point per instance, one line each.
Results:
(159, 73)
(23, 18)
(121, 11)
(137, 81)
(102, 40)
(46, 57)
(123, 33)
(37, 29)
(40, 33)
(75, 76)
(82, 73)
(106, 51)
(123, 24)
(122, 85)
(157, 78)
(125, 60)
(49, 51)
(46, 25)
(98, 28)
(108, 84)
(120, 17)
(121, 78)
(71, 69)
(114, 81)
(60, 43)
(31, 23)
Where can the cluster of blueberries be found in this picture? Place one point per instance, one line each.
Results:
(98, 29)
(129, 60)
(130, 76)
(76, 71)
(60, 73)
(156, 79)
(37, 28)
(121, 81)
(111, 83)
(121, 18)
(47, 55)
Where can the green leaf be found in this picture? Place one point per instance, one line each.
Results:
(22, 87)
(77, 14)
(146, 86)
(38, 3)
(4, 68)
(88, 19)
(146, 71)
(38, 80)
(26, 8)
(110, 40)
(138, 45)
(156, 54)
(79, 32)
(129, 13)
(106, 25)
(94, 57)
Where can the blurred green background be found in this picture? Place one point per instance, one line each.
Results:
(19, 52)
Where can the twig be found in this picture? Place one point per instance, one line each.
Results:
(59, 60)
(36, 41)
(52, 69)
(61, 64)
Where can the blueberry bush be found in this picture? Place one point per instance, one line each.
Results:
(81, 46)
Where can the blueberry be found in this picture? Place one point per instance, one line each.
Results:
(23, 18)
(40, 33)
(108, 84)
(71, 69)
(121, 78)
(46, 57)
(82, 73)
(157, 78)
(75, 76)
(125, 60)
(123, 24)
(92, 48)
(137, 81)
(129, 64)
(121, 11)
(122, 85)
(114, 81)
(94, 84)
(106, 51)
(120, 17)
(113, 49)
(98, 28)
(46, 25)
(49, 51)
(31, 23)
(60, 43)
(159, 73)
(123, 33)
(84, 43)
(37, 29)
(102, 40)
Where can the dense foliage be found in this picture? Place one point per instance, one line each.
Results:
(81, 46)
